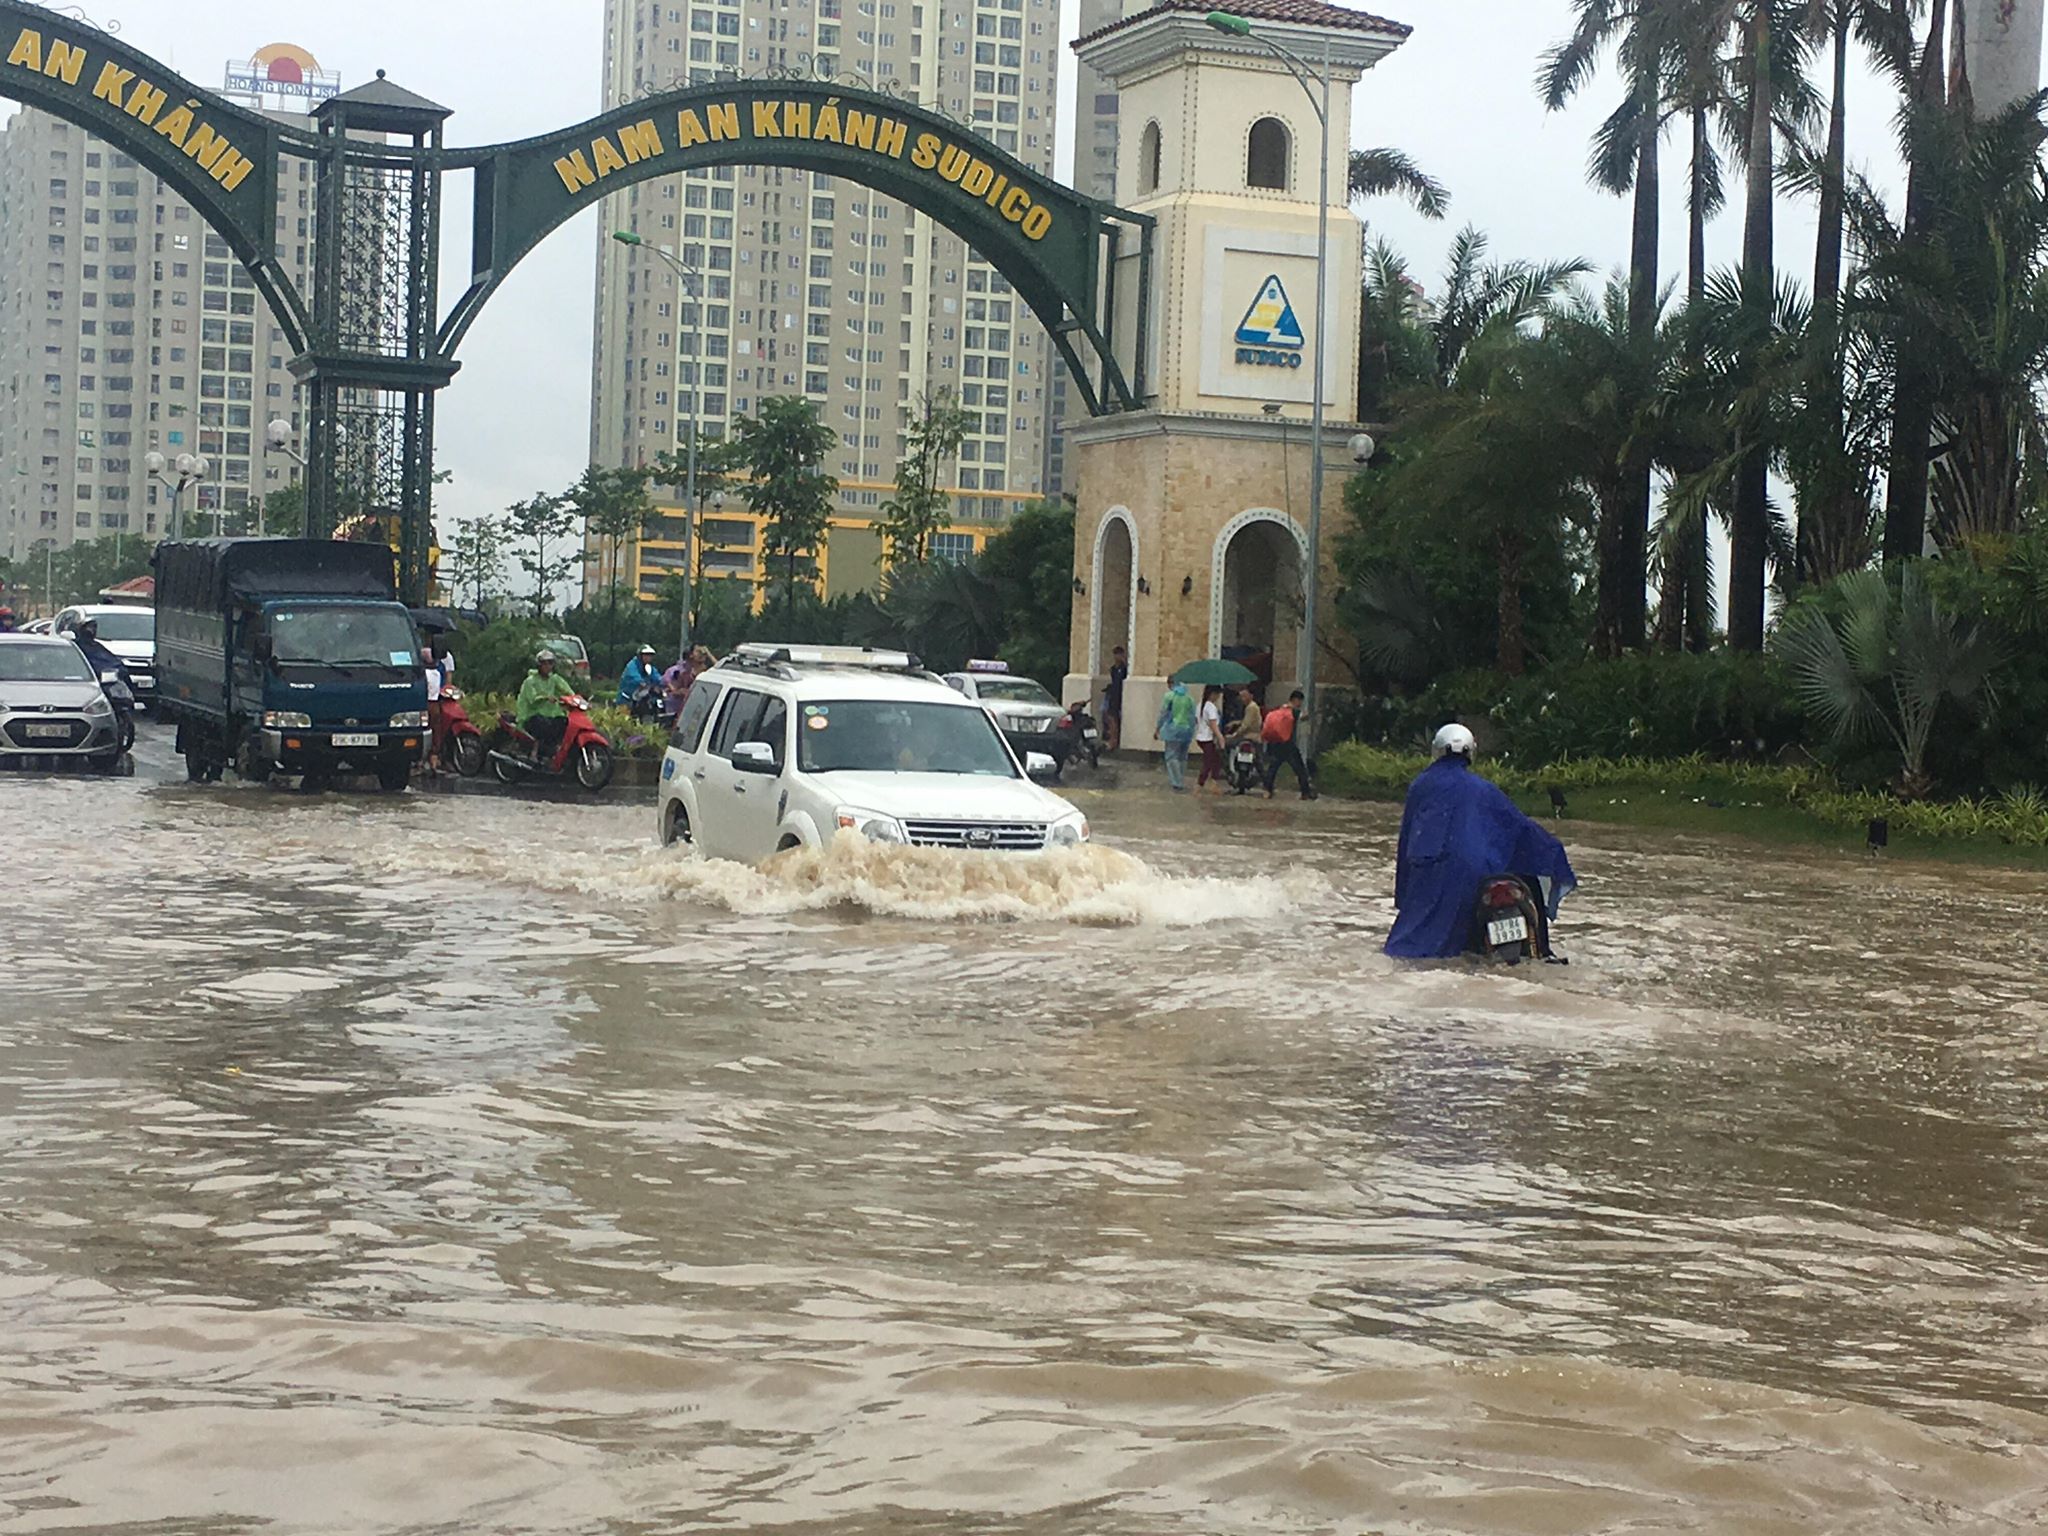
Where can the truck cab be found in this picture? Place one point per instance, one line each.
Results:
(288, 656)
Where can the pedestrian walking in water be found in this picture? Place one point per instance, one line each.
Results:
(1209, 737)
(1282, 750)
(1176, 730)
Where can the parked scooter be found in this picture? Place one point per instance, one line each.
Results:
(1078, 736)
(584, 754)
(1244, 767)
(464, 742)
(1509, 924)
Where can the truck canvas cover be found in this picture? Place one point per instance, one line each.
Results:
(215, 574)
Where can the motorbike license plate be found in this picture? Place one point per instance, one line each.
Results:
(1090, 735)
(1507, 930)
(355, 739)
(48, 732)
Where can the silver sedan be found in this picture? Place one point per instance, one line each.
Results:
(52, 706)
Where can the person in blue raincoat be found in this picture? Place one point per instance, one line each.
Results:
(1458, 829)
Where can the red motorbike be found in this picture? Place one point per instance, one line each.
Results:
(462, 744)
(584, 754)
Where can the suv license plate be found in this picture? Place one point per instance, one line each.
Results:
(49, 732)
(1507, 930)
(352, 739)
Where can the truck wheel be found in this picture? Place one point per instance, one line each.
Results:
(393, 777)
(467, 753)
(593, 766)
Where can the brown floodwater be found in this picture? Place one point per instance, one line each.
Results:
(457, 1164)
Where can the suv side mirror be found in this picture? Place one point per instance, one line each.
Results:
(1040, 766)
(755, 757)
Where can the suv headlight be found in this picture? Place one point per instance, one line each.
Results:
(1069, 833)
(872, 825)
(286, 720)
(409, 720)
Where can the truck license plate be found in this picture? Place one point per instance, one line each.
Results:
(49, 732)
(355, 739)
(1507, 930)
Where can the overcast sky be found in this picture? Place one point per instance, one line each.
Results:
(1457, 96)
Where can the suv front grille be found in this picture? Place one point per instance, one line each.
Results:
(995, 836)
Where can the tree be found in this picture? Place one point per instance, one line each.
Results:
(933, 434)
(1395, 352)
(1383, 172)
(1030, 564)
(79, 573)
(1479, 296)
(615, 508)
(539, 527)
(785, 448)
(1624, 160)
(284, 511)
(1884, 664)
(1607, 376)
(475, 556)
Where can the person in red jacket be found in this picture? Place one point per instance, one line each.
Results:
(1278, 731)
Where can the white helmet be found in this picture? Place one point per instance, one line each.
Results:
(1454, 738)
(544, 654)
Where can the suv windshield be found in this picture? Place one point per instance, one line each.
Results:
(43, 664)
(878, 736)
(359, 637)
(126, 623)
(1013, 690)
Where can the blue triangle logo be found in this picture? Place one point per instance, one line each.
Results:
(1270, 321)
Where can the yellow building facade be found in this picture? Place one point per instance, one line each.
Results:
(729, 540)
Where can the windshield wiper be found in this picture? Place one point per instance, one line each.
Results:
(321, 661)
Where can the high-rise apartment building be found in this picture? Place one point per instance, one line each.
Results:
(1093, 171)
(127, 326)
(820, 287)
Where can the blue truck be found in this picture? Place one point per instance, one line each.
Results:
(288, 656)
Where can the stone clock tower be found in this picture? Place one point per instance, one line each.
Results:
(1191, 537)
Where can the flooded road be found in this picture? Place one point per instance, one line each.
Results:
(449, 1164)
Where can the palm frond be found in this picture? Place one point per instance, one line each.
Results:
(1384, 172)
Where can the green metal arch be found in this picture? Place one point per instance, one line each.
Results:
(74, 71)
(528, 188)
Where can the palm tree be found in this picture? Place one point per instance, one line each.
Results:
(1624, 160)
(1608, 379)
(1884, 665)
(1479, 296)
(1384, 172)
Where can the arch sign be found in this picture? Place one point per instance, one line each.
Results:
(1048, 240)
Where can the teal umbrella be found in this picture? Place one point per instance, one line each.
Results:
(1228, 674)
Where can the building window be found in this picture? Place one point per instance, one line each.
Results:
(1266, 154)
(1148, 159)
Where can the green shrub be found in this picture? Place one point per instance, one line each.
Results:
(1658, 704)
(497, 657)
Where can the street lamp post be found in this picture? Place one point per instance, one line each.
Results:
(278, 438)
(191, 468)
(1306, 76)
(695, 279)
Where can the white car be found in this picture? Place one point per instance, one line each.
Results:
(782, 747)
(129, 631)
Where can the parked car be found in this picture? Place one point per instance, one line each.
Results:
(52, 704)
(1024, 711)
(783, 747)
(573, 653)
(129, 631)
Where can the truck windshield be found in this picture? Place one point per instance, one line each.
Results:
(345, 637)
(876, 736)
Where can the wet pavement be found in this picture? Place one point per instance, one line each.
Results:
(434, 1164)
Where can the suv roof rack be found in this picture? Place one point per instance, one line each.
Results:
(783, 660)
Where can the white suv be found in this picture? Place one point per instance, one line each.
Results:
(786, 746)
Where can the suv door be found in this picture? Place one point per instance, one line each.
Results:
(722, 790)
(758, 798)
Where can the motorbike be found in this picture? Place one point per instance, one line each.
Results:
(1509, 924)
(122, 697)
(584, 754)
(1244, 767)
(649, 702)
(464, 742)
(1079, 737)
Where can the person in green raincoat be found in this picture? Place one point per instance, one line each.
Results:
(540, 710)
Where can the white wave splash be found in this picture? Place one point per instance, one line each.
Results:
(1092, 885)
